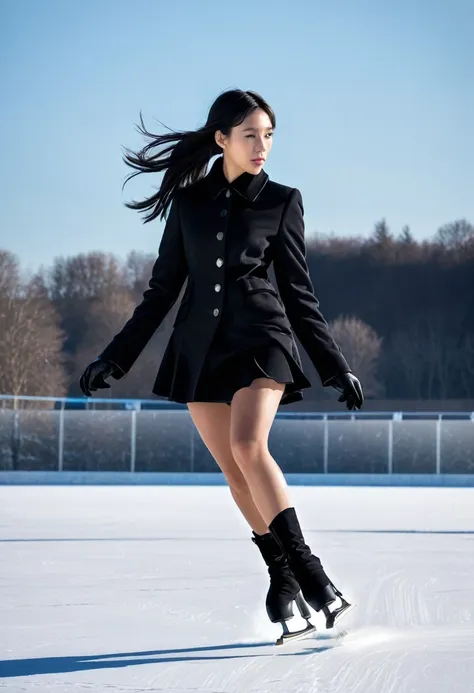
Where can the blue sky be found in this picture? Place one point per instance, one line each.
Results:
(374, 104)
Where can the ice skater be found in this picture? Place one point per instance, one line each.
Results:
(232, 357)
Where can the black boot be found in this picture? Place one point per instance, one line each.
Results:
(283, 586)
(284, 589)
(317, 588)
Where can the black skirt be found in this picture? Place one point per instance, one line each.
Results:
(233, 360)
(223, 375)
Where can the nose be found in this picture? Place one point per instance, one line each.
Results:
(263, 145)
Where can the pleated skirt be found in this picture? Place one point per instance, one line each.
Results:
(222, 375)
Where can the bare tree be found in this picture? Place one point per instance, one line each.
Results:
(85, 275)
(455, 233)
(361, 346)
(106, 315)
(138, 267)
(74, 283)
(457, 237)
(337, 246)
(31, 343)
(9, 272)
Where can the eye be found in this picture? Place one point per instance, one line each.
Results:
(269, 134)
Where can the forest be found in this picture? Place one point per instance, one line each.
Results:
(402, 311)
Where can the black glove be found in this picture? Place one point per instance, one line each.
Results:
(351, 390)
(95, 374)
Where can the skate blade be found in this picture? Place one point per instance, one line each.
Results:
(332, 619)
(297, 635)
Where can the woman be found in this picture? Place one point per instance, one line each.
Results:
(232, 356)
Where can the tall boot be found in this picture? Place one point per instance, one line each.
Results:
(317, 588)
(283, 586)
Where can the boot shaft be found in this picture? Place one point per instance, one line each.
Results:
(283, 585)
(271, 551)
(317, 588)
(286, 529)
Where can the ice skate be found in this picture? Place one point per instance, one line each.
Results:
(318, 590)
(284, 590)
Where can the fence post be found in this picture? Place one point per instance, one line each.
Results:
(61, 437)
(16, 440)
(390, 446)
(325, 444)
(438, 444)
(133, 440)
(192, 449)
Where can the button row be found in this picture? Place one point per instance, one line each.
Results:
(217, 287)
(220, 261)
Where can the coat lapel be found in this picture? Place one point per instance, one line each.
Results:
(247, 185)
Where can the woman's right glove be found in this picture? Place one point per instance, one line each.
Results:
(95, 374)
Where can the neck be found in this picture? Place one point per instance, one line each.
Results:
(231, 171)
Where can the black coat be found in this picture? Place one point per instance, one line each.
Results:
(223, 237)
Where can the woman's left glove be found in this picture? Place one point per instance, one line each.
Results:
(351, 390)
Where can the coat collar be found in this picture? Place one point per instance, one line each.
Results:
(247, 184)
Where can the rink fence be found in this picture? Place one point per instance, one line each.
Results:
(77, 435)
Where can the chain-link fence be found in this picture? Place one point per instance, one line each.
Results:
(72, 434)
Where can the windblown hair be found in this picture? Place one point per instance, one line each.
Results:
(185, 160)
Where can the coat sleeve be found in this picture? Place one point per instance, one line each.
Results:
(168, 275)
(297, 293)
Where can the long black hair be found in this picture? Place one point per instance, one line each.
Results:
(185, 161)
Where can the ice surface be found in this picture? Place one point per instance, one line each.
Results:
(158, 588)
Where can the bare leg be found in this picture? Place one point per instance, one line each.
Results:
(252, 413)
(212, 420)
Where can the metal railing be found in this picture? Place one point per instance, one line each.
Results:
(79, 434)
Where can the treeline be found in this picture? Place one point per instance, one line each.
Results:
(402, 311)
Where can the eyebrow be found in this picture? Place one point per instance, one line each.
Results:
(245, 129)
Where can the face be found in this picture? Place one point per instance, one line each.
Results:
(247, 142)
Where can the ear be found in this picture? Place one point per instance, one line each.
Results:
(220, 139)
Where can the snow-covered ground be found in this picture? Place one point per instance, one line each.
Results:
(158, 588)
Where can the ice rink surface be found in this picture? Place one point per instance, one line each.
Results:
(159, 588)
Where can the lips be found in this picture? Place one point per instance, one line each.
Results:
(258, 161)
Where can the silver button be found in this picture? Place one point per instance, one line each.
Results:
(227, 194)
(219, 262)
(219, 236)
(215, 312)
(223, 212)
(217, 287)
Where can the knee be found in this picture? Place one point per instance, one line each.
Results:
(247, 451)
